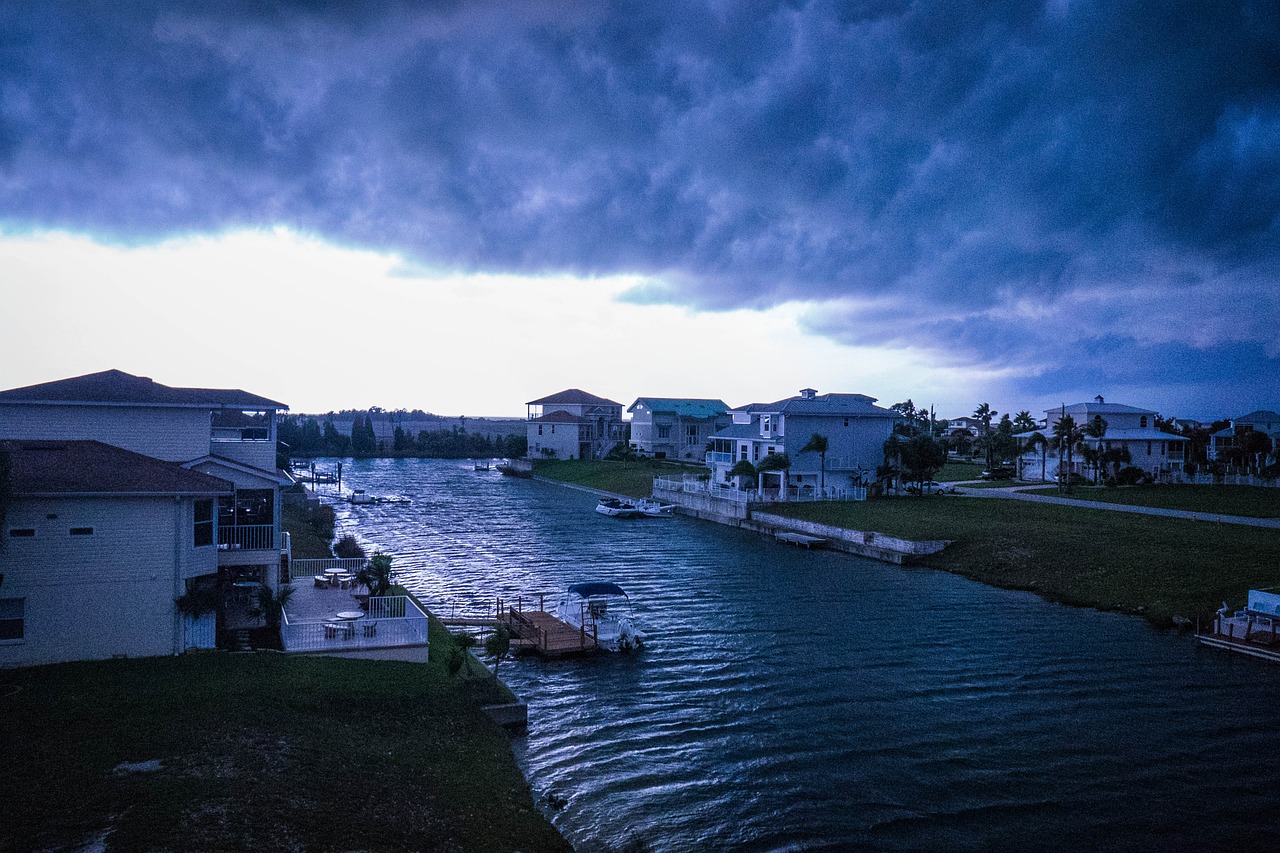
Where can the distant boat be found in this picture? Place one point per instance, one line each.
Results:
(482, 466)
(360, 497)
(603, 611)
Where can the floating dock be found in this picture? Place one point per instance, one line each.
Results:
(1244, 634)
(549, 636)
(801, 539)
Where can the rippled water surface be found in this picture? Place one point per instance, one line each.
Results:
(790, 699)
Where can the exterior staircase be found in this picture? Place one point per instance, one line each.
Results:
(240, 641)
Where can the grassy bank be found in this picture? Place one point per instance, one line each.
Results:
(310, 527)
(258, 751)
(1159, 567)
(634, 479)
(1248, 501)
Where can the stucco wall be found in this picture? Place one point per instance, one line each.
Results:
(562, 438)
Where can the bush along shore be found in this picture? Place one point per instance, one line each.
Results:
(1172, 571)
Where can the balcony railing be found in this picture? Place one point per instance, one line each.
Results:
(252, 537)
(391, 620)
(719, 458)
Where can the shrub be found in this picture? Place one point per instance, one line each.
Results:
(1131, 476)
(348, 548)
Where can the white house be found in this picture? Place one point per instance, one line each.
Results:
(1130, 428)
(574, 425)
(98, 542)
(223, 441)
(1262, 421)
(855, 429)
(675, 427)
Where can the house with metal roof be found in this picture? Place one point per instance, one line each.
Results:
(573, 424)
(151, 432)
(1130, 429)
(855, 430)
(675, 427)
(1234, 443)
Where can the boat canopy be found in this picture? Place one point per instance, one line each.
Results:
(590, 588)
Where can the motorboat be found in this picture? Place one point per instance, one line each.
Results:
(650, 508)
(617, 508)
(361, 497)
(603, 610)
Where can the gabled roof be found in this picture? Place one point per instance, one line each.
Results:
(741, 431)
(573, 397)
(62, 468)
(116, 386)
(685, 407)
(1147, 434)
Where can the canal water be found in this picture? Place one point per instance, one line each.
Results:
(803, 700)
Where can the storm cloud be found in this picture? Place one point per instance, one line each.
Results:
(1066, 189)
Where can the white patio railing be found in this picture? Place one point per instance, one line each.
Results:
(790, 494)
(310, 567)
(254, 537)
(391, 621)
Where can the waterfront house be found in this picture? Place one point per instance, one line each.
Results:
(224, 441)
(1129, 428)
(574, 425)
(854, 427)
(1232, 442)
(99, 542)
(675, 427)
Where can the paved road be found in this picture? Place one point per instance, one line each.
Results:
(1013, 492)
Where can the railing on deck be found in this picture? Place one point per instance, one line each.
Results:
(789, 495)
(254, 537)
(391, 621)
(310, 567)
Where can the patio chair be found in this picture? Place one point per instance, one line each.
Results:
(371, 629)
(321, 581)
(331, 630)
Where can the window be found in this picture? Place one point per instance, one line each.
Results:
(12, 618)
(82, 531)
(1143, 422)
(20, 532)
(846, 421)
(664, 432)
(692, 434)
(203, 529)
(539, 429)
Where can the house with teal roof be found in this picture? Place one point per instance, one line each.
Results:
(675, 427)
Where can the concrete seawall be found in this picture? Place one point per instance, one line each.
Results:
(752, 516)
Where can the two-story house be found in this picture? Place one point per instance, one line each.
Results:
(574, 425)
(855, 430)
(1233, 443)
(675, 427)
(1129, 428)
(130, 442)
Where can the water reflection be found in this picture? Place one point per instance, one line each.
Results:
(790, 699)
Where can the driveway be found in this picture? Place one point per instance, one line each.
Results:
(1014, 493)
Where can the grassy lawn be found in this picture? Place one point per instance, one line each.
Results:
(634, 479)
(1109, 560)
(955, 471)
(310, 529)
(258, 752)
(1249, 501)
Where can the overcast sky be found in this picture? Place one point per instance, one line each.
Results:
(465, 206)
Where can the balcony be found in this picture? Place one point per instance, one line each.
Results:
(247, 537)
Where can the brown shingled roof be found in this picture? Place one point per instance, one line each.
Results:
(116, 386)
(573, 396)
(93, 468)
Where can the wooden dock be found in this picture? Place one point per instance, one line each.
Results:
(547, 635)
(801, 539)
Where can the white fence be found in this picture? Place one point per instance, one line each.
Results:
(311, 567)
(791, 494)
(200, 632)
(1231, 480)
(391, 621)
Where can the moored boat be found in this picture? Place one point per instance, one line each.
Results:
(603, 610)
(650, 508)
(617, 508)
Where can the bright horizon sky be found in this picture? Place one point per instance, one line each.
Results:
(464, 206)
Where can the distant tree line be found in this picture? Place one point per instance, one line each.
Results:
(305, 436)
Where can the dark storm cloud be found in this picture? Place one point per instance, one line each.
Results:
(1005, 183)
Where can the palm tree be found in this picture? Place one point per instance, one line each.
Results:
(272, 604)
(1037, 439)
(465, 642)
(1066, 435)
(818, 444)
(985, 413)
(1096, 429)
(376, 574)
(498, 644)
(1023, 422)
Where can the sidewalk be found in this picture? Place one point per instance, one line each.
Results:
(1014, 493)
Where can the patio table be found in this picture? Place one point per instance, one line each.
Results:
(350, 614)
